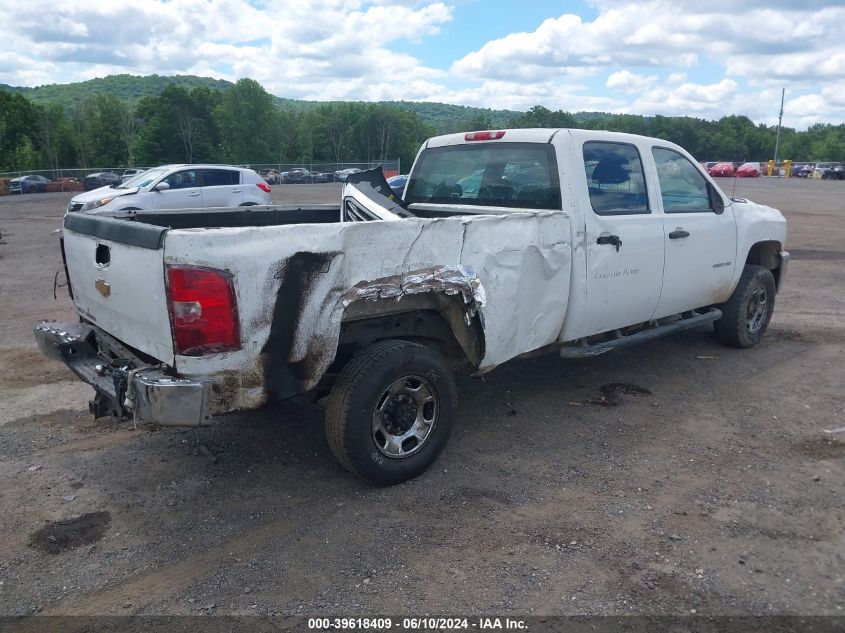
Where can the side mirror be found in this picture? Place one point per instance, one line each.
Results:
(716, 201)
(162, 186)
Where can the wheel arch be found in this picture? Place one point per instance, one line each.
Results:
(433, 318)
(766, 253)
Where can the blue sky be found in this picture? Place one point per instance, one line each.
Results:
(679, 57)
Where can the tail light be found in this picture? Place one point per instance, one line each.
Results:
(484, 136)
(203, 310)
(263, 186)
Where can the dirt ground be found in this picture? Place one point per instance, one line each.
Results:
(711, 487)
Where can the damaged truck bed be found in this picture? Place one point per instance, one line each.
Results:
(505, 244)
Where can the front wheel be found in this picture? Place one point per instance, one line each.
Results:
(746, 315)
(391, 411)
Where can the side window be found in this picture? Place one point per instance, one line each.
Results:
(182, 179)
(220, 177)
(615, 178)
(683, 188)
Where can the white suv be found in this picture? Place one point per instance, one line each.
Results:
(177, 187)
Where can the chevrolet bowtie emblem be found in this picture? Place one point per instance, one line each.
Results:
(103, 287)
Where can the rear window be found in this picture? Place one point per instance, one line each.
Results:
(519, 175)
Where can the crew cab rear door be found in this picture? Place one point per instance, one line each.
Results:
(116, 273)
(623, 238)
(221, 187)
(699, 233)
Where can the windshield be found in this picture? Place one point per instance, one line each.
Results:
(142, 179)
(520, 175)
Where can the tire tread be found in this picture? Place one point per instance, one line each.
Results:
(340, 398)
(730, 329)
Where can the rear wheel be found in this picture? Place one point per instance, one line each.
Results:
(391, 411)
(746, 315)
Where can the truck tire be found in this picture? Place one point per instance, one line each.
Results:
(391, 411)
(746, 315)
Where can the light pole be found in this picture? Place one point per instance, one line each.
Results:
(780, 119)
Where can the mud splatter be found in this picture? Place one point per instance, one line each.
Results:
(611, 394)
(60, 536)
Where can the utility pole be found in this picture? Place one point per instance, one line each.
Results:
(780, 120)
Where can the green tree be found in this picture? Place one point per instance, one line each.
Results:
(178, 126)
(248, 123)
(17, 121)
(107, 148)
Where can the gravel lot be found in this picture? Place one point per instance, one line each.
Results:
(710, 488)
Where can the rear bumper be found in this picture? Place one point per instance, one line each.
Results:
(125, 387)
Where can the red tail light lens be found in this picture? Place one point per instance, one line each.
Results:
(263, 186)
(484, 136)
(203, 310)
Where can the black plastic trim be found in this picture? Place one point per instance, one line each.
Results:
(115, 230)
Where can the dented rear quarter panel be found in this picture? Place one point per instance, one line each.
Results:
(294, 282)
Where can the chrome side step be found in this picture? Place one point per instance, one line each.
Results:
(656, 329)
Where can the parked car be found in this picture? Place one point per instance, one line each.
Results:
(802, 171)
(397, 184)
(298, 175)
(829, 171)
(722, 170)
(271, 176)
(342, 174)
(101, 179)
(322, 176)
(241, 308)
(748, 170)
(177, 187)
(29, 184)
(709, 165)
(132, 172)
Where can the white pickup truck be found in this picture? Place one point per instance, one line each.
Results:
(506, 243)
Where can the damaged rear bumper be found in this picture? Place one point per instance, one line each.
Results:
(125, 387)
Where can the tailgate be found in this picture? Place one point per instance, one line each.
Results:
(116, 271)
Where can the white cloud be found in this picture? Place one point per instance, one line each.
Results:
(626, 81)
(658, 56)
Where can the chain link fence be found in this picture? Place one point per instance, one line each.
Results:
(73, 179)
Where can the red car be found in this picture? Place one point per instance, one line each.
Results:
(748, 170)
(722, 169)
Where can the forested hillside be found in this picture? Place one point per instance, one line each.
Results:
(129, 88)
(124, 120)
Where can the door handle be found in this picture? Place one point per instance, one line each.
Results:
(610, 239)
(194, 193)
(678, 234)
(236, 190)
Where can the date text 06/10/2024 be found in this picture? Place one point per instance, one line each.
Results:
(416, 624)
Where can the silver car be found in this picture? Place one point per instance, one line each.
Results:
(177, 187)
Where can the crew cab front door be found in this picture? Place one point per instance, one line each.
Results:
(699, 236)
(624, 240)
